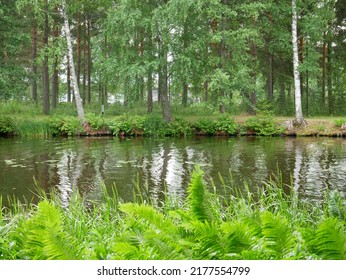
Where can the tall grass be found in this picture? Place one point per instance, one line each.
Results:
(269, 225)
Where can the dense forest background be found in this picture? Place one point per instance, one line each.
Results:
(233, 55)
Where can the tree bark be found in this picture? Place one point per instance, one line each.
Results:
(33, 63)
(299, 120)
(68, 80)
(55, 80)
(150, 91)
(329, 78)
(45, 68)
(324, 56)
(89, 61)
(79, 105)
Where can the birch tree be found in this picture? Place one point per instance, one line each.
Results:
(299, 120)
(79, 105)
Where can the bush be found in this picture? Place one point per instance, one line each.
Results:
(339, 122)
(180, 127)
(205, 126)
(64, 126)
(96, 122)
(227, 125)
(263, 125)
(127, 125)
(7, 126)
(154, 125)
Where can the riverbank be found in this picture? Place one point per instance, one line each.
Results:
(153, 125)
(271, 225)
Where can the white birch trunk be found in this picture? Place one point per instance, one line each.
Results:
(79, 105)
(297, 94)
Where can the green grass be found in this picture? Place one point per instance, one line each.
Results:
(270, 225)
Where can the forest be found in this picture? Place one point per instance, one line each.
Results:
(234, 56)
(174, 68)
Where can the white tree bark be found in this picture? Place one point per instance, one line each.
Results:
(297, 94)
(79, 104)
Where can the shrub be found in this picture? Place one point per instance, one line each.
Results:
(7, 126)
(96, 122)
(180, 127)
(205, 126)
(156, 126)
(339, 122)
(225, 124)
(64, 126)
(263, 125)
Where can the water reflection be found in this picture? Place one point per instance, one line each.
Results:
(164, 165)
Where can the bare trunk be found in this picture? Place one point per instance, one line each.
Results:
(150, 91)
(299, 120)
(33, 65)
(45, 68)
(329, 78)
(68, 81)
(89, 61)
(324, 55)
(79, 105)
(55, 81)
(270, 78)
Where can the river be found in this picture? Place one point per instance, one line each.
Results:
(157, 166)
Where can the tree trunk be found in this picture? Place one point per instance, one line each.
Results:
(45, 68)
(85, 59)
(69, 99)
(33, 63)
(299, 120)
(324, 55)
(184, 95)
(55, 80)
(329, 78)
(89, 61)
(150, 91)
(270, 78)
(79, 105)
(78, 70)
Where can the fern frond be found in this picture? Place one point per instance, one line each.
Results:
(279, 239)
(329, 240)
(198, 196)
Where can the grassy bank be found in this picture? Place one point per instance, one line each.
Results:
(16, 119)
(204, 226)
(154, 125)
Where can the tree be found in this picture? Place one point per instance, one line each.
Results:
(79, 104)
(299, 120)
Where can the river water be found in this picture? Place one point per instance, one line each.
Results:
(157, 166)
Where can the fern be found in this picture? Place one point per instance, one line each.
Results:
(198, 197)
(329, 240)
(334, 205)
(46, 238)
(279, 239)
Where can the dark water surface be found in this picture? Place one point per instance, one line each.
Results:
(314, 164)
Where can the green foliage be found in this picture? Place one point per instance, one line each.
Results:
(339, 122)
(205, 126)
(329, 239)
(125, 125)
(179, 127)
(96, 122)
(155, 126)
(270, 226)
(198, 197)
(225, 124)
(7, 126)
(263, 125)
(64, 126)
